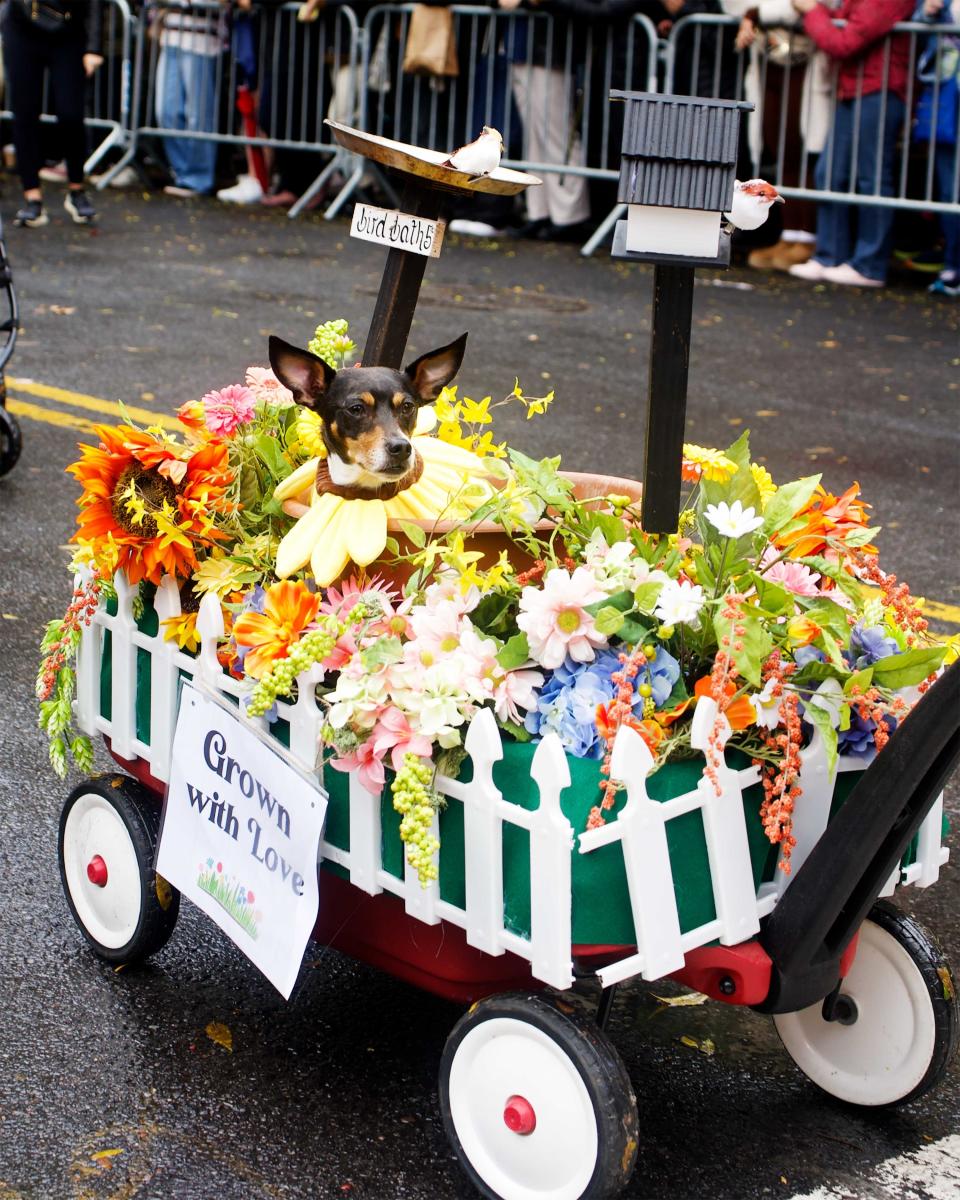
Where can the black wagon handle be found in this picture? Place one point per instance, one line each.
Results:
(826, 903)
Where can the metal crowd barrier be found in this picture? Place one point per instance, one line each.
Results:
(108, 91)
(699, 55)
(299, 72)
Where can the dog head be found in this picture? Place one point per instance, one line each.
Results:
(368, 413)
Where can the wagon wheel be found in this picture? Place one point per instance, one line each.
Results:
(896, 1019)
(108, 838)
(536, 1102)
(10, 441)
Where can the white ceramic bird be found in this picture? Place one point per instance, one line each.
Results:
(480, 157)
(752, 202)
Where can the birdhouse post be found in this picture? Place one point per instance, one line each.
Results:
(677, 173)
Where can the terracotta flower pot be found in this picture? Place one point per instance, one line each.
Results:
(489, 539)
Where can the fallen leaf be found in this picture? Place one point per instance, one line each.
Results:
(10, 617)
(706, 1047)
(768, 412)
(946, 982)
(99, 1155)
(828, 344)
(684, 1001)
(63, 310)
(217, 1032)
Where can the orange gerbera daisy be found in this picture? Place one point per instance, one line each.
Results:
(740, 712)
(608, 724)
(288, 609)
(148, 503)
(825, 516)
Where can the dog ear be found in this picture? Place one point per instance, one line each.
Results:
(306, 375)
(430, 373)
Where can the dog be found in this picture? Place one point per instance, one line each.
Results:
(368, 413)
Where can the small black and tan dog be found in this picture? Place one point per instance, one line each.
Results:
(368, 413)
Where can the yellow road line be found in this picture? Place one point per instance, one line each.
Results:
(51, 416)
(94, 403)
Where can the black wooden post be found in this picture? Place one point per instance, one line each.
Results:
(667, 396)
(400, 285)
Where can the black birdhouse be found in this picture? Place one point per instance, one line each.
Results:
(677, 171)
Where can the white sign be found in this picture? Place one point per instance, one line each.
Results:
(241, 835)
(400, 231)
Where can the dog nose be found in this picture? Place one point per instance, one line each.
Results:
(398, 449)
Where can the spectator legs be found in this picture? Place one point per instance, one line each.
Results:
(25, 95)
(879, 132)
(543, 99)
(945, 165)
(186, 99)
(833, 174)
(69, 87)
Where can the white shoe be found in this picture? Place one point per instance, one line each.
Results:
(56, 173)
(181, 193)
(246, 190)
(848, 276)
(474, 229)
(811, 270)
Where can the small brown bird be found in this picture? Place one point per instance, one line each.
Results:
(478, 158)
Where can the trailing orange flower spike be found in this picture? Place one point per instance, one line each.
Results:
(609, 719)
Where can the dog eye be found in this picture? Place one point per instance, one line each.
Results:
(358, 409)
(407, 407)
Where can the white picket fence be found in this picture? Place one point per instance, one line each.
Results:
(640, 827)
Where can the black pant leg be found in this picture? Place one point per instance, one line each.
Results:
(69, 86)
(24, 58)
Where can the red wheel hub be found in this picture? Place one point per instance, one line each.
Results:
(97, 871)
(518, 1115)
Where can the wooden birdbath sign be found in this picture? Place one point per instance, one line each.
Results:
(413, 232)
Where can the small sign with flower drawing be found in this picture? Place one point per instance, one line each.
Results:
(241, 833)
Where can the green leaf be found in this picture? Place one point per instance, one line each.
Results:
(859, 679)
(514, 653)
(517, 732)
(391, 546)
(385, 650)
(842, 578)
(755, 640)
(787, 502)
(631, 632)
(773, 598)
(621, 601)
(905, 670)
(609, 620)
(741, 485)
(612, 528)
(268, 450)
(543, 478)
(646, 596)
(493, 615)
(414, 534)
(860, 537)
(828, 615)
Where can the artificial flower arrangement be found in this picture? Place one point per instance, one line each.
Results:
(768, 599)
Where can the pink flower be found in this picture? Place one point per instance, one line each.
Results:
(223, 411)
(516, 690)
(437, 629)
(367, 764)
(393, 732)
(555, 619)
(266, 386)
(795, 577)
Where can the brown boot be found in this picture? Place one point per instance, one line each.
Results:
(789, 254)
(764, 259)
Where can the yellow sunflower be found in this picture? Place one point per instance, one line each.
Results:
(331, 530)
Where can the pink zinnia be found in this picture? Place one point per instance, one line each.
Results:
(224, 410)
(393, 732)
(555, 619)
(266, 386)
(367, 763)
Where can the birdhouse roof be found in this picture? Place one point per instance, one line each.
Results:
(679, 151)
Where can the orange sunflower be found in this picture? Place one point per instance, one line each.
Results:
(287, 611)
(825, 516)
(148, 503)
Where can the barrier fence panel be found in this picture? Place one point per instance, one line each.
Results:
(257, 78)
(543, 82)
(108, 90)
(795, 89)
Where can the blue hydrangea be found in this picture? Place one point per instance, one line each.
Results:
(868, 644)
(567, 703)
(857, 741)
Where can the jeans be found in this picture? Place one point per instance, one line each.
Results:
(944, 164)
(187, 99)
(836, 169)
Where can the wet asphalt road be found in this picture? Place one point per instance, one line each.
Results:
(333, 1094)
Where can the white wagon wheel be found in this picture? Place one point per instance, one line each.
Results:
(896, 1022)
(536, 1102)
(108, 838)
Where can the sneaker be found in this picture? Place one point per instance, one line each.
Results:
(246, 190)
(126, 178)
(54, 173)
(847, 276)
(181, 193)
(479, 229)
(31, 215)
(947, 284)
(77, 203)
(811, 270)
(281, 199)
